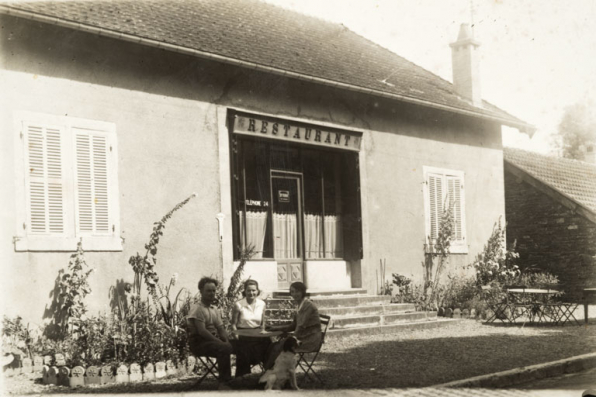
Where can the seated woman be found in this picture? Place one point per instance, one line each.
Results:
(306, 325)
(249, 313)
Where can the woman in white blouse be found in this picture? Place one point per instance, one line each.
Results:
(249, 312)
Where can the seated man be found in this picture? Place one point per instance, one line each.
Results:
(207, 335)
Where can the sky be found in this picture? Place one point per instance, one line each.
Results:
(537, 57)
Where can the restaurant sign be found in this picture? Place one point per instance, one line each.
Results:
(290, 132)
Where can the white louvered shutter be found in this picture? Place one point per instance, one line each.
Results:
(435, 190)
(455, 193)
(44, 179)
(92, 174)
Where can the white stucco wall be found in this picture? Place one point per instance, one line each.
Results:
(167, 151)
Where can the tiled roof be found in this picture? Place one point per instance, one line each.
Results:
(263, 35)
(574, 179)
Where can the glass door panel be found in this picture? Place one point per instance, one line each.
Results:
(287, 227)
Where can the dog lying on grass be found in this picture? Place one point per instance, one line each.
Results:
(284, 369)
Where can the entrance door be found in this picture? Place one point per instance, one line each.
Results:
(286, 199)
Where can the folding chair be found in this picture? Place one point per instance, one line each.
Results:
(499, 306)
(566, 313)
(307, 365)
(209, 365)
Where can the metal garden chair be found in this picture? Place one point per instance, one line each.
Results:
(209, 365)
(304, 358)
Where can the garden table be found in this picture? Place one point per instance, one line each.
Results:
(536, 304)
(255, 343)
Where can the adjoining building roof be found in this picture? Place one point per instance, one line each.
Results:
(573, 179)
(262, 36)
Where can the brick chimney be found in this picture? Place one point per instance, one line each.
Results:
(466, 70)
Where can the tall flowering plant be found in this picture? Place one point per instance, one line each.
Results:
(496, 264)
(437, 257)
(144, 265)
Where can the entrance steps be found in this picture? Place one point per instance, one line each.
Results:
(356, 313)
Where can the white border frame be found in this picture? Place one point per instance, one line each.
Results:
(459, 246)
(24, 242)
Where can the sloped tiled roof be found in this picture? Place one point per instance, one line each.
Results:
(262, 35)
(574, 179)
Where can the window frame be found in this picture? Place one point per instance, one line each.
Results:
(459, 246)
(26, 240)
(239, 189)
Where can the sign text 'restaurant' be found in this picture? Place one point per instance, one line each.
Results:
(301, 134)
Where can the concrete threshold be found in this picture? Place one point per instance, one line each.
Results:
(526, 374)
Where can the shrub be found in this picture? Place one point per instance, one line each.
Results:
(459, 292)
(495, 264)
(417, 295)
(401, 282)
(536, 279)
(17, 338)
(74, 286)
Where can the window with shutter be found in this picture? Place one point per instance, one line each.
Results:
(44, 179)
(70, 189)
(445, 187)
(92, 182)
(435, 197)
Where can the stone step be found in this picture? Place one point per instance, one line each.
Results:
(311, 293)
(342, 322)
(368, 310)
(323, 302)
(388, 329)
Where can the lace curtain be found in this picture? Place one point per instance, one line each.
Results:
(313, 236)
(284, 235)
(256, 224)
(286, 239)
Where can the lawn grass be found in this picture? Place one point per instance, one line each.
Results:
(402, 359)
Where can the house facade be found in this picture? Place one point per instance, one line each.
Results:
(322, 151)
(551, 216)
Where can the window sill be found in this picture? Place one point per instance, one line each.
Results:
(67, 244)
(325, 260)
(458, 249)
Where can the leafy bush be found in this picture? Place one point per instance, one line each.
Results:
(417, 295)
(495, 264)
(17, 338)
(403, 285)
(459, 292)
(74, 286)
(537, 279)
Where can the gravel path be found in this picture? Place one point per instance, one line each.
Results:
(403, 359)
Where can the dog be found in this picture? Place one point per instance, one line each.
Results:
(284, 369)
